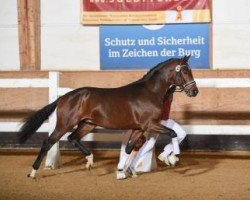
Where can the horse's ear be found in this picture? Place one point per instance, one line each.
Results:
(186, 58)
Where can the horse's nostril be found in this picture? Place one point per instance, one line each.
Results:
(194, 93)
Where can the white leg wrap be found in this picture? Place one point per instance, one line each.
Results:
(33, 173)
(90, 161)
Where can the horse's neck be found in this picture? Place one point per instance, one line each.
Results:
(158, 84)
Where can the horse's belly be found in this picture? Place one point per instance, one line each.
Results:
(115, 121)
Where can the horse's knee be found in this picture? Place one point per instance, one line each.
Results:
(73, 142)
(129, 148)
(70, 139)
(172, 133)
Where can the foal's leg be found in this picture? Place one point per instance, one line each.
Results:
(75, 139)
(47, 144)
(124, 162)
(135, 135)
(159, 128)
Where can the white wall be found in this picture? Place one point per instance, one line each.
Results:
(9, 47)
(66, 44)
(231, 34)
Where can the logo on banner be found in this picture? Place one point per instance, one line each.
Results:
(179, 14)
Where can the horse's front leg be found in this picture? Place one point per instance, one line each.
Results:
(124, 169)
(135, 135)
(158, 128)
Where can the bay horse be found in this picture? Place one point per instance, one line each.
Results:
(136, 106)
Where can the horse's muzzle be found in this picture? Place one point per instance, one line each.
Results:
(192, 92)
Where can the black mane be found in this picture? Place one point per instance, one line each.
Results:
(158, 67)
(153, 69)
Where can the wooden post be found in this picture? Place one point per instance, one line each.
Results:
(211, 35)
(22, 28)
(29, 34)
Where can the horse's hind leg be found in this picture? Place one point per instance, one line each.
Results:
(75, 139)
(47, 144)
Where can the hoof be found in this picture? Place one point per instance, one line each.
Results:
(32, 174)
(90, 161)
(173, 159)
(120, 175)
(29, 176)
(161, 158)
(89, 167)
(48, 168)
(132, 172)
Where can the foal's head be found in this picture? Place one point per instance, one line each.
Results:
(182, 77)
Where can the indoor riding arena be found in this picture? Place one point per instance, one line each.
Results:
(124, 99)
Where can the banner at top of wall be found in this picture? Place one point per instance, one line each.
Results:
(95, 12)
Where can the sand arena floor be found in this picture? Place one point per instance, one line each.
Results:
(198, 176)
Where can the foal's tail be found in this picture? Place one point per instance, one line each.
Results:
(35, 121)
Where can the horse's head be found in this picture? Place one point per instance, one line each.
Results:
(183, 78)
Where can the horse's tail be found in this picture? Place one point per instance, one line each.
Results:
(33, 123)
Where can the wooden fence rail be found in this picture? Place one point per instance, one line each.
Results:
(52, 83)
